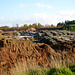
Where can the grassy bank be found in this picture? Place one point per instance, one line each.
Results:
(22, 69)
(52, 71)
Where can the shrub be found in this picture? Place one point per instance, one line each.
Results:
(53, 71)
(62, 71)
(37, 72)
(72, 67)
(66, 71)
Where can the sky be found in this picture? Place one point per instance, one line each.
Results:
(46, 12)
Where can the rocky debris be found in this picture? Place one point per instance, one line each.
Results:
(56, 37)
(31, 29)
(38, 55)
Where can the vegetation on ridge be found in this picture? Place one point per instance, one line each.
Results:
(21, 69)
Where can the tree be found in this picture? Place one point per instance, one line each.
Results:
(40, 26)
(30, 26)
(25, 26)
(60, 24)
(4, 27)
(34, 25)
(52, 25)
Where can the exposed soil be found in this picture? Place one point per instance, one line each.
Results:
(56, 37)
(38, 55)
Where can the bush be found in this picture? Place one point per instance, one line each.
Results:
(53, 71)
(72, 68)
(66, 71)
(62, 71)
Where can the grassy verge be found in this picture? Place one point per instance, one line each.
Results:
(52, 71)
(22, 69)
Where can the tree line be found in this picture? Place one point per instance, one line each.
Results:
(38, 25)
(67, 22)
(34, 25)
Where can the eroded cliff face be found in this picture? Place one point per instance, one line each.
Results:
(34, 55)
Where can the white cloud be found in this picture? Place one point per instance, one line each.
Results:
(1, 18)
(43, 5)
(67, 15)
(42, 18)
(22, 6)
(48, 6)
(39, 5)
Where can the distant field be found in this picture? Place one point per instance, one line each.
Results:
(72, 25)
(69, 27)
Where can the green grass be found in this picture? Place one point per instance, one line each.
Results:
(72, 25)
(69, 27)
(52, 71)
(22, 69)
(72, 68)
(73, 73)
(62, 71)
